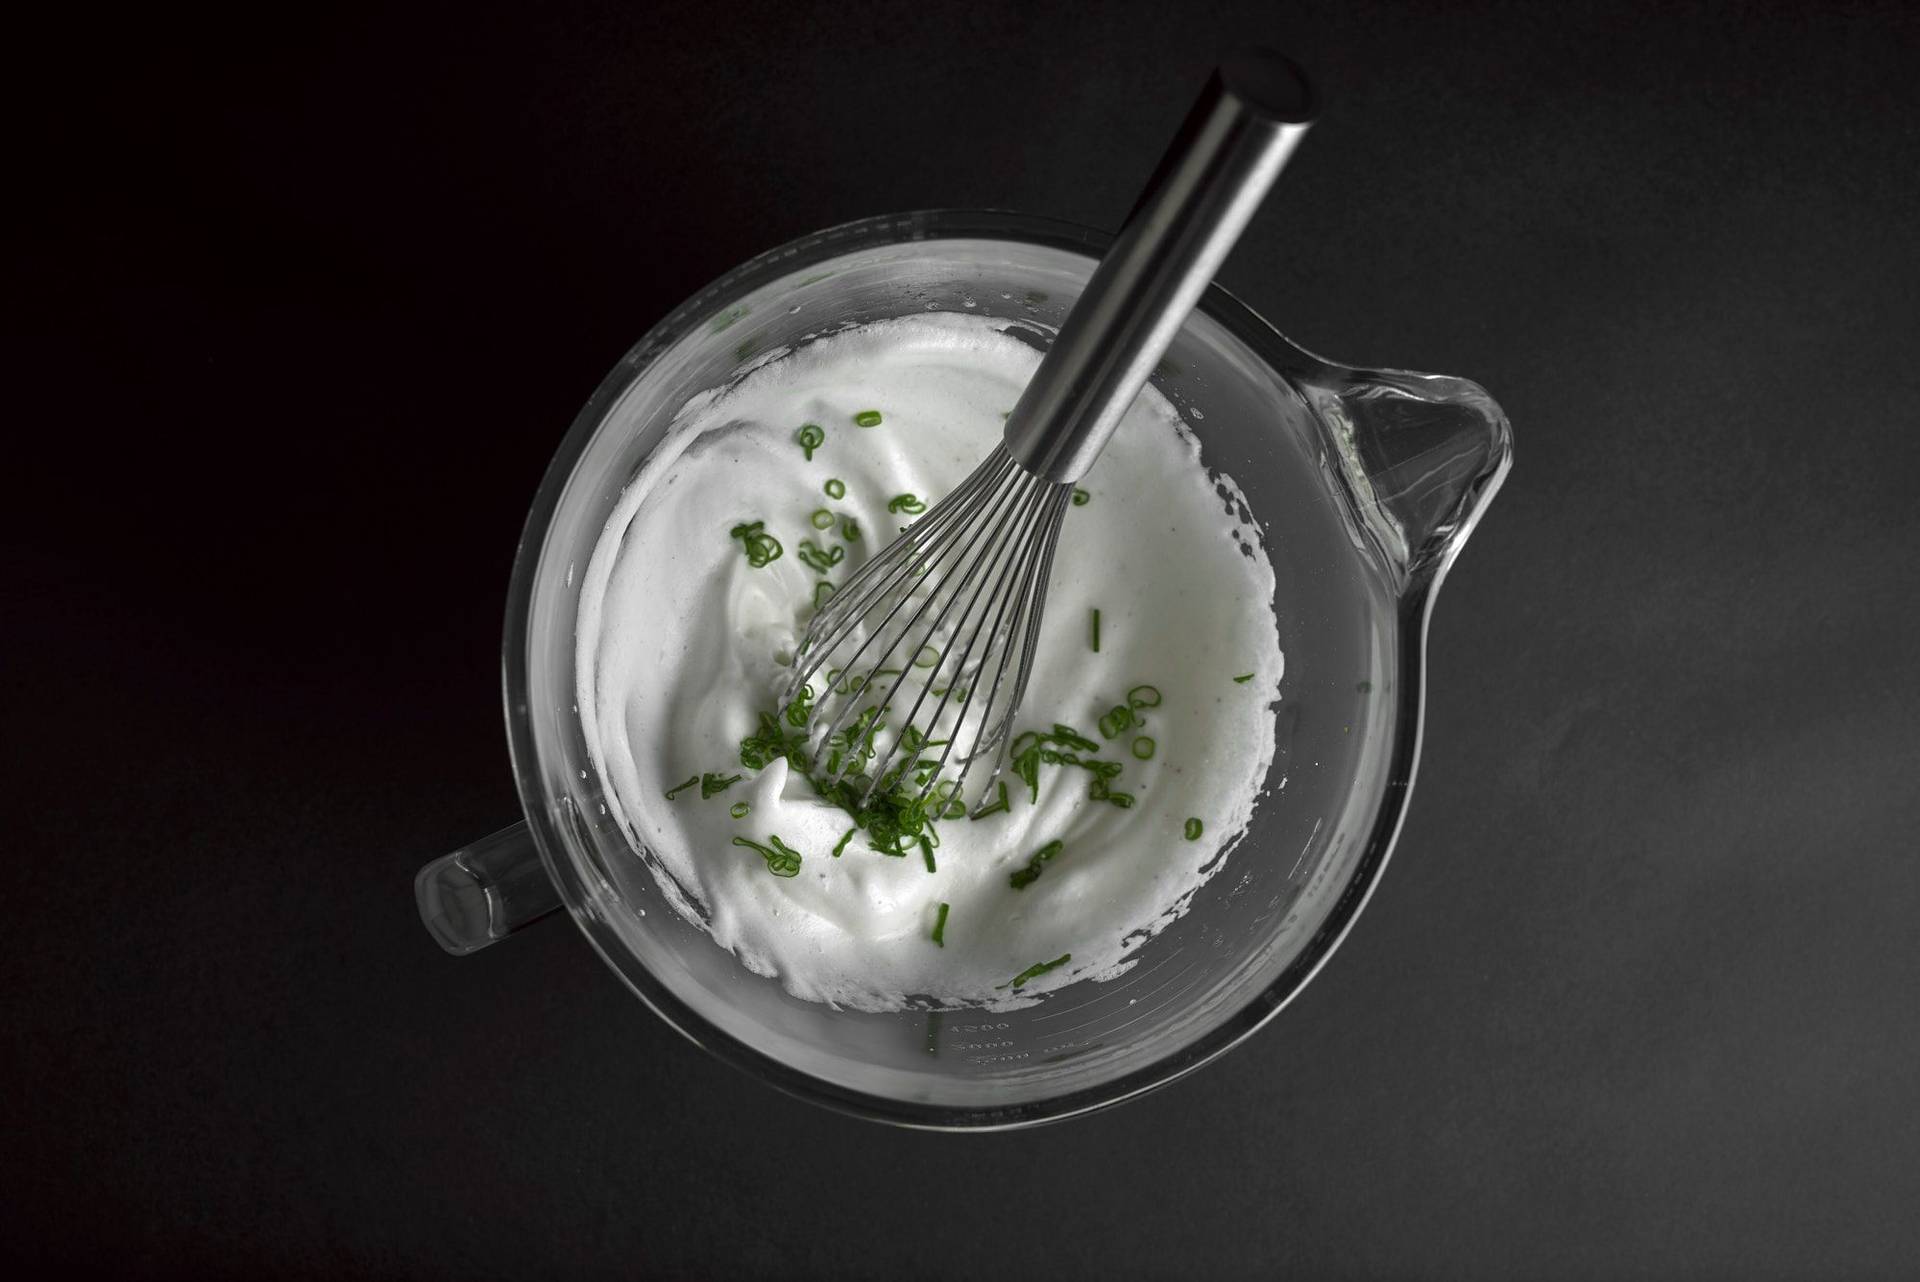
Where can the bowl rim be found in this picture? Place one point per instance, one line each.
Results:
(568, 877)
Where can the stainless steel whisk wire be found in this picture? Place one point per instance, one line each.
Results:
(997, 532)
(1001, 526)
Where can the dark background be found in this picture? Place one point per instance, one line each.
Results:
(303, 302)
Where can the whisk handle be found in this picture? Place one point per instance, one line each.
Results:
(1248, 120)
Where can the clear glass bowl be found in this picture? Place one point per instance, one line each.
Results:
(1365, 483)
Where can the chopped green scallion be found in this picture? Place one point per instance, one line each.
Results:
(811, 437)
(1021, 878)
(761, 548)
(1000, 803)
(1035, 971)
(782, 860)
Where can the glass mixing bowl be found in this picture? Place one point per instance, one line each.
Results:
(1365, 483)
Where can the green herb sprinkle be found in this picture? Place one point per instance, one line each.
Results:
(811, 437)
(1035, 971)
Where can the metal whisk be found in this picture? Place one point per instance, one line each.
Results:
(953, 605)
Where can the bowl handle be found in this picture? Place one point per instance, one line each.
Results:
(1423, 454)
(483, 892)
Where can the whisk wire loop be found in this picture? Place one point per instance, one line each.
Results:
(956, 597)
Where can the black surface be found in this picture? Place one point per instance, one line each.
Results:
(305, 306)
